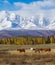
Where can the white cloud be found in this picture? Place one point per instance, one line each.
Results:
(19, 4)
(5, 1)
(46, 7)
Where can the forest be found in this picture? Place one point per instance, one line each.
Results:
(28, 40)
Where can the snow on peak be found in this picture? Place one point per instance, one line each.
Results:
(12, 16)
(13, 21)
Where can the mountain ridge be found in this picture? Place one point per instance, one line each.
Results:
(14, 21)
(34, 33)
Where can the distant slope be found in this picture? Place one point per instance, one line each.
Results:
(15, 33)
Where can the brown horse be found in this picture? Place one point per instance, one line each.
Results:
(47, 49)
(37, 50)
(21, 50)
(42, 49)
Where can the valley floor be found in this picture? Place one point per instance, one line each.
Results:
(27, 58)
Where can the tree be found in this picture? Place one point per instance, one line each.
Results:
(48, 40)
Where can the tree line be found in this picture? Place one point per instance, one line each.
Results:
(28, 40)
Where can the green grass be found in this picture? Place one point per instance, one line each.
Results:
(14, 47)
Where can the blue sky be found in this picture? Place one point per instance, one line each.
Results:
(9, 4)
(29, 7)
(25, 1)
(26, 7)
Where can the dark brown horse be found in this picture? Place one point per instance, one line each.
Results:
(47, 49)
(21, 50)
(42, 49)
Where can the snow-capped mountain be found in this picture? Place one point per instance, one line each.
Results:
(14, 21)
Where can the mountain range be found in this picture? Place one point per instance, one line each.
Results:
(33, 33)
(13, 25)
(10, 20)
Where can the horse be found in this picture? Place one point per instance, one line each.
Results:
(37, 50)
(47, 49)
(42, 49)
(21, 50)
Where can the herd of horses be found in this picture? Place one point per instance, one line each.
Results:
(36, 50)
(31, 49)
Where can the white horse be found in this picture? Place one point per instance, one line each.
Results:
(31, 49)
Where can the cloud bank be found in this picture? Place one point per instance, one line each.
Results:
(46, 7)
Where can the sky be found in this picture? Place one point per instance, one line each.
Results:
(10, 4)
(28, 8)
